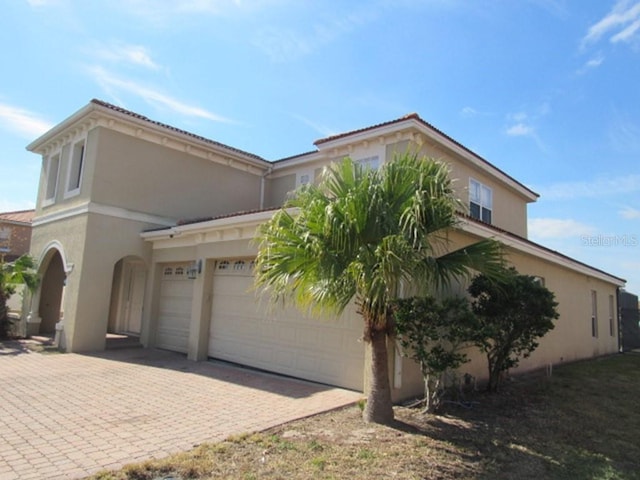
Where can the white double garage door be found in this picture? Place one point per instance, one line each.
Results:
(248, 330)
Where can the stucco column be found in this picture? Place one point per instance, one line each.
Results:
(198, 347)
(33, 320)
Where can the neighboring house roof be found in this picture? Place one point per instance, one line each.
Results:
(19, 216)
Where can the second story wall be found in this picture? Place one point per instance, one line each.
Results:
(498, 204)
(142, 176)
(485, 192)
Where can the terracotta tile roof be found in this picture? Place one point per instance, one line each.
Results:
(416, 117)
(20, 216)
(295, 156)
(174, 129)
(409, 116)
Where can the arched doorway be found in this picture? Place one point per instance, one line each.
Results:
(51, 294)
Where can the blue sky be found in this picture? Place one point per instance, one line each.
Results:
(547, 90)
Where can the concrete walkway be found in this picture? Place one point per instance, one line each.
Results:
(66, 416)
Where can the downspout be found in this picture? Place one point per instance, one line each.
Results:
(262, 180)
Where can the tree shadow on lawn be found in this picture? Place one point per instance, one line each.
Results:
(519, 434)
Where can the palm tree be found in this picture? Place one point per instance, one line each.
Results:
(20, 272)
(357, 236)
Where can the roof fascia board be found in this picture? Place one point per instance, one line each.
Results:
(521, 245)
(299, 160)
(435, 136)
(366, 134)
(238, 221)
(538, 251)
(97, 115)
(17, 223)
(480, 164)
(41, 143)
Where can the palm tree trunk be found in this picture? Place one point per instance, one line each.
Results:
(379, 408)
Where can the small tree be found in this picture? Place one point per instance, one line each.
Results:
(356, 236)
(20, 272)
(511, 314)
(433, 333)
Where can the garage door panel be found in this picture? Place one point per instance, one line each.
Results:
(174, 308)
(249, 330)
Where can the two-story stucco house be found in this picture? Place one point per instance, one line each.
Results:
(146, 229)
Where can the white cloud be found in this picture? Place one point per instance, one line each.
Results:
(469, 112)
(624, 133)
(630, 213)
(113, 85)
(22, 122)
(621, 23)
(520, 130)
(321, 129)
(523, 123)
(131, 54)
(164, 13)
(589, 189)
(546, 228)
(42, 3)
(592, 63)
(283, 45)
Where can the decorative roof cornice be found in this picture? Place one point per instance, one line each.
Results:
(99, 113)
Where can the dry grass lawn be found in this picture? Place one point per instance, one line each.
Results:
(581, 423)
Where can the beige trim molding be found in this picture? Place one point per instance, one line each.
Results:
(107, 210)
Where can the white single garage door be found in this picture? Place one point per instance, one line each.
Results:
(250, 331)
(174, 310)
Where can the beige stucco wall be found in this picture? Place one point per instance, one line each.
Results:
(278, 189)
(146, 177)
(91, 245)
(509, 208)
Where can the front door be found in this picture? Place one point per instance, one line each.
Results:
(134, 298)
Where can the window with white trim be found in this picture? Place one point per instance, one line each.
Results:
(74, 176)
(594, 314)
(372, 163)
(480, 201)
(53, 167)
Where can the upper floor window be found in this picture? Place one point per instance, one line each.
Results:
(74, 176)
(480, 201)
(369, 162)
(53, 166)
(304, 178)
(612, 324)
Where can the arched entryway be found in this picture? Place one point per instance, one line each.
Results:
(127, 296)
(51, 290)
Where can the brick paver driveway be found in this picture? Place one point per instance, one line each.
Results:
(69, 415)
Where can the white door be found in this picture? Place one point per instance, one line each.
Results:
(174, 309)
(135, 298)
(249, 331)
